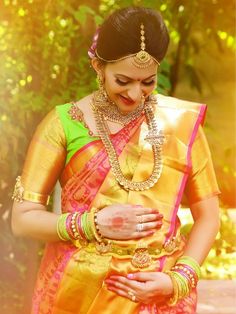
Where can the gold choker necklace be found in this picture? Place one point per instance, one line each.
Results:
(110, 111)
(155, 137)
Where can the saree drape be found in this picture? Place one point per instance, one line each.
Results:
(71, 275)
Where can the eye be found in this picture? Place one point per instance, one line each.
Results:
(120, 82)
(149, 83)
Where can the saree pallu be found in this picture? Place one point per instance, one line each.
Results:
(71, 275)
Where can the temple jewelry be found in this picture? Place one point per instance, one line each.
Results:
(139, 227)
(21, 194)
(100, 80)
(18, 191)
(141, 59)
(154, 136)
(110, 111)
(132, 295)
(140, 219)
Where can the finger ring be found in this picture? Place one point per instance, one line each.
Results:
(132, 296)
(139, 227)
(140, 219)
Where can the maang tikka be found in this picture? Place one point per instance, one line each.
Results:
(141, 59)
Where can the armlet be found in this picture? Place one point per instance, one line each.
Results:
(20, 194)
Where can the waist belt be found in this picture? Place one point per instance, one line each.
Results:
(141, 254)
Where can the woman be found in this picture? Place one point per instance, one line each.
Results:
(124, 157)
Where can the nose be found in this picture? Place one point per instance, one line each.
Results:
(135, 92)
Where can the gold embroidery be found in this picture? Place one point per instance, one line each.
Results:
(76, 114)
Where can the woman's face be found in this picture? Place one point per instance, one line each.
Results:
(125, 83)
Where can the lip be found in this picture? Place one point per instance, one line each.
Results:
(126, 101)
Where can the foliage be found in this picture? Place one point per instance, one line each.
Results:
(220, 263)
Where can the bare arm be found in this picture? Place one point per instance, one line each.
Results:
(206, 225)
(32, 220)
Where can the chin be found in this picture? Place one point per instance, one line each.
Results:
(126, 109)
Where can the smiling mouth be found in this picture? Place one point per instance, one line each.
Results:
(127, 101)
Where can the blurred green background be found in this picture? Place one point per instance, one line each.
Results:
(43, 63)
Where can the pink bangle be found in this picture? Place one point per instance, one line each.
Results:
(80, 228)
(68, 224)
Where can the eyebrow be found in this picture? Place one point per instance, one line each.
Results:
(131, 79)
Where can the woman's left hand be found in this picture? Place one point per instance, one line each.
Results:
(144, 287)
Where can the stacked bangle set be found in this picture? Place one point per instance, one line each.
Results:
(184, 276)
(77, 226)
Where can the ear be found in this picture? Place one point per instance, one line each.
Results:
(97, 65)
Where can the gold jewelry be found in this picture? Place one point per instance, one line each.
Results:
(155, 137)
(132, 295)
(141, 257)
(140, 227)
(18, 191)
(20, 194)
(141, 59)
(100, 80)
(140, 219)
(110, 111)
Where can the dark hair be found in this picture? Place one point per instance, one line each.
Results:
(119, 35)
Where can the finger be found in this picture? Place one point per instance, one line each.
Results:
(148, 226)
(126, 284)
(145, 211)
(116, 284)
(143, 234)
(141, 276)
(123, 293)
(149, 218)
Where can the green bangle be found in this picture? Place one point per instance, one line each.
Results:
(86, 228)
(61, 227)
(190, 262)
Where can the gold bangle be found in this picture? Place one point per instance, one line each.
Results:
(95, 228)
(36, 197)
(175, 296)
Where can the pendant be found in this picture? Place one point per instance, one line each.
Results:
(141, 258)
(103, 247)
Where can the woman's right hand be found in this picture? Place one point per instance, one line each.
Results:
(124, 221)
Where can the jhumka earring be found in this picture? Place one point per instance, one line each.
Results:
(100, 81)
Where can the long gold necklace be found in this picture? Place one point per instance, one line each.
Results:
(155, 137)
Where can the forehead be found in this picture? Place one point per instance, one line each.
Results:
(127, 68)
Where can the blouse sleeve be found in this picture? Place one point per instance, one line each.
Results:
(45, 159)
(201, 182)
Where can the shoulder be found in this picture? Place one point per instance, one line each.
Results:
(178, 104)
(175, 109)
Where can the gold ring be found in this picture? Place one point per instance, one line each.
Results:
(132, 296)
(140, 227)
(140, 219)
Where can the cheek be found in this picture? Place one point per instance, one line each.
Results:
(149, 89)
(112, 88)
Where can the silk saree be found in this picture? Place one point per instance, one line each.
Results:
(71, 276)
